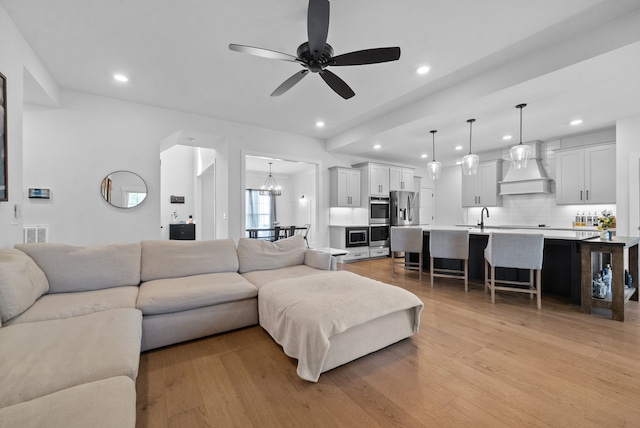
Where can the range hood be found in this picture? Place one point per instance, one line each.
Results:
(532, 179)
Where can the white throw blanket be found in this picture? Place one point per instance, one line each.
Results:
(302, 314)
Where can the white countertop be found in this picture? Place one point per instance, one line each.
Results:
(572, 235)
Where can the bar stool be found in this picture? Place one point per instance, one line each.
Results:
(449, 244)
(408, 240)
(518, 251)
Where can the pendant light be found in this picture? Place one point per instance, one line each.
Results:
(470, 162)
(270, 187)
(521, 153)
(434, 167)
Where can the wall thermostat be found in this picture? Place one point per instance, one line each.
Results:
(39, 193)
(177, 199)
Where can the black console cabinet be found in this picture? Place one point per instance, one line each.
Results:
(182, 231)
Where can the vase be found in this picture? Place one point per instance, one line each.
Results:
(605, 235)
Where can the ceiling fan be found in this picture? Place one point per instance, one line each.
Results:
(316, 54)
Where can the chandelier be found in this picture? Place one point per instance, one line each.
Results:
(270, 187)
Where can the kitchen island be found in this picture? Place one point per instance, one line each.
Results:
(561, 269)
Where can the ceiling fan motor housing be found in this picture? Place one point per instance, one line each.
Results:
(314, 65)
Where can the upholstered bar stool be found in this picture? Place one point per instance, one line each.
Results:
(449, 244)
(408, 240)
(518, 251)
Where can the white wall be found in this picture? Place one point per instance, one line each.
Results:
(628, 176)
(17, 60)
(96, 135)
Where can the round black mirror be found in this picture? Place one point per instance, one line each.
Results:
(123, 189)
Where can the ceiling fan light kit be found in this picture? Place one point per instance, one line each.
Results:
(316, 54)
(470, 161)
(520, 153)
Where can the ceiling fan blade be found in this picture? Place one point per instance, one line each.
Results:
(337, 84)
(367, 56)
(317, 26)
(288, 84)
(265, 53)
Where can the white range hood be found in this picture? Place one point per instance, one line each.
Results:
(532, 179)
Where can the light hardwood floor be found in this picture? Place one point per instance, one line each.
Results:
(472, 364)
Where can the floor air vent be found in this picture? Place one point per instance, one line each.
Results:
(36, 234)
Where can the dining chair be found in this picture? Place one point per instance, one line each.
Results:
(517, 251)
(304, 231)
(407, 240)
(449, 244)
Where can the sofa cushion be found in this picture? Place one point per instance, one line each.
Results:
(257, 254)
(173, 259)
(40, 358)
(69, 268)
(163, 296)
(21, 283)
(318, 260)
(102, 404)
(65, 305)
(260, 278)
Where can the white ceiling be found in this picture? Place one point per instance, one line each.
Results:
(566, 59)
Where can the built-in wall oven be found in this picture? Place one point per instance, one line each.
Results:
(379, 235)
(379, 210)
(357, 236)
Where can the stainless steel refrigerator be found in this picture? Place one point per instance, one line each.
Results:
(405, 208)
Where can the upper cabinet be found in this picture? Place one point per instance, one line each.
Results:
(375, 180)
(400, 178)
(344, 187)
(586, 175)
(481, 190)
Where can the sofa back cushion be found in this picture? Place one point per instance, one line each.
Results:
(174, 259)
(257, 254)
(21, 283)
(69, 268)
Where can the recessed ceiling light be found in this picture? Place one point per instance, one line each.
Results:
(458, 147)
(121, 78)
(507, 137)
(377, 146)
(424, 155)
(423, 69)
(576, 122)
(319, 124)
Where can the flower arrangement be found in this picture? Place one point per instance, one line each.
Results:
(607, 221)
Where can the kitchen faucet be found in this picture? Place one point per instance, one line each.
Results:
(482, 217)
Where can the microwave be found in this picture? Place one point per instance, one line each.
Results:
(357, 236)
(379, 210)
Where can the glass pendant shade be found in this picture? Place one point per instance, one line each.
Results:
(434, 167)
(470, 162)
(270, 187)
(521, 153)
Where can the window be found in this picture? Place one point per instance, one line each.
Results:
(258, 211)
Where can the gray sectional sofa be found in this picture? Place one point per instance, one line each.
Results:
(73, 320)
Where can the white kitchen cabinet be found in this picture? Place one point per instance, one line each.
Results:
(375, 179)
(344, 187)
(400, 178)
(481, 190)
(586, 175)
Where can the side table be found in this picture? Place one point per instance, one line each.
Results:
(624, 251)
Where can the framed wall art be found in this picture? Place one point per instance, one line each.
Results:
(4, 193)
